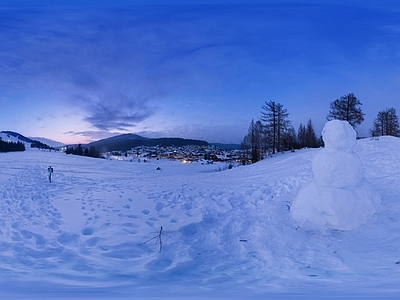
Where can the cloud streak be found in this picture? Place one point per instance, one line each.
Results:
(92, 135)
(117, 112)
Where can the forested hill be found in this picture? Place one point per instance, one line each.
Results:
(126, 142)
(15, 137)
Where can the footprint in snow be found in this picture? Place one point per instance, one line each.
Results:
(92, 241)
(159, 265)
(87, 231)
(159, 206)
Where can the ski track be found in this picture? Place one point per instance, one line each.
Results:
(91, 225)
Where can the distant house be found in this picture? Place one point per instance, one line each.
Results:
(219, 157)
(145, 154)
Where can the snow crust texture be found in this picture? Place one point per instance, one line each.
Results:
(337, 197)
(226, 234)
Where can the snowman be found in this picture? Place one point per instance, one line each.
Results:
(337, 197)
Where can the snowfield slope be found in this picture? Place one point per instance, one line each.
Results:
(122, 229)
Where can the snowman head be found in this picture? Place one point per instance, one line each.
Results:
(339, 135)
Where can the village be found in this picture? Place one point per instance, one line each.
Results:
(185, 154)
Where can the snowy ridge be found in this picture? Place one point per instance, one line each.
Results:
(10, 138)
(225, 234)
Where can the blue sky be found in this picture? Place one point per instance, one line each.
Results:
(85, 70)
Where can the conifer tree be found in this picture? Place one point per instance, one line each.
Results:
(301, 136)
(11, 146)
(290, 140)
(79, 150)
(347, 108)
(311, 138)
(386, 123)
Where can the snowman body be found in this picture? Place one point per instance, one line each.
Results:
(337, 197)
(338, 169)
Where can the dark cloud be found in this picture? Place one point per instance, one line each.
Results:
(117, 112)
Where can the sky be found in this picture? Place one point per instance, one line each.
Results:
(79, 71)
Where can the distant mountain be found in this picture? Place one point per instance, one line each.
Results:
(120, 142)
(128, 141)
(49, 142)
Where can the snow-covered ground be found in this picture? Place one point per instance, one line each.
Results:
(93, 232)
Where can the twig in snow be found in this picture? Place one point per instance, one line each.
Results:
(158, 240)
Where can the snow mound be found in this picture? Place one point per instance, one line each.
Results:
(337, 197)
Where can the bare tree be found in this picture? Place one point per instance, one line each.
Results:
(275, 118)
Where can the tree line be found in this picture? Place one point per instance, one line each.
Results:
(84, 151)
(348, 108)
(273, 131)
(11, 146)
(40, 145)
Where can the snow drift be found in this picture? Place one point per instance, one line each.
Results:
(226, 234)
